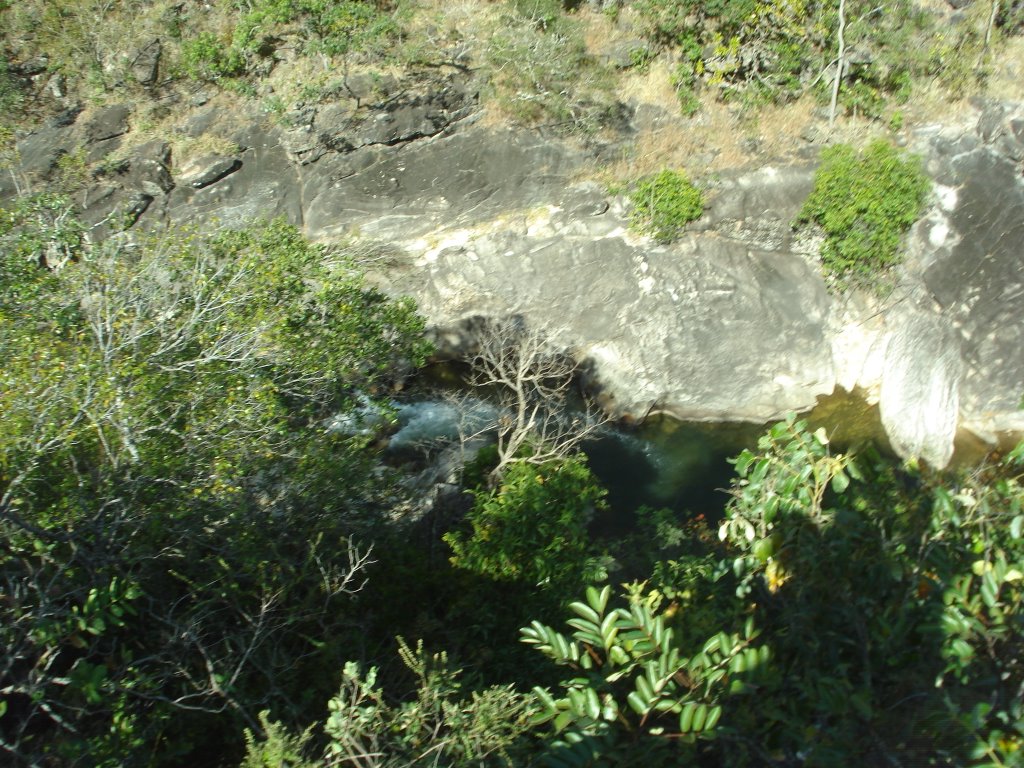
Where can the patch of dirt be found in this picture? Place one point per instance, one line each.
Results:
(1008, 70)
(719, 136)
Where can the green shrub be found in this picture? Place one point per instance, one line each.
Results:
(865, 202)
(341, 27)
(11, 96)
(868, 580)
(208, 58)
(663, 204)
(444, 722)
(331, 29)
(670, 21)
(206, 365)
(542, 74)
(685, 79)
(758, 52)
(736, 45)
(278, 747)
(533, 528)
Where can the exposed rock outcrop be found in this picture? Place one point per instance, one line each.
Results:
(733, 322)
(973, 266)
(709, 328)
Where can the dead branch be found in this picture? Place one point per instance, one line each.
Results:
(532, 382)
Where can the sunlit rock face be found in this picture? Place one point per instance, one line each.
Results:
(705, 329)
(920, 387)
(726, 324)
(978, 278)
(955, 355)
(732, 322)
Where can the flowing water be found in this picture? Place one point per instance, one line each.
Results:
(683, 466)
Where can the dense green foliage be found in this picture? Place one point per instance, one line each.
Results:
(195, 570)
(187, 574)
(866, 577)
(757, 51)
(850, 611)
(663, 204)
(533, 527)
(865, 202)
(179, 530)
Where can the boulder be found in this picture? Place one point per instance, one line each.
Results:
(976, 276)
(107, 123)
(40, 150)
(919, 399)
(145, 64)
(212, 170)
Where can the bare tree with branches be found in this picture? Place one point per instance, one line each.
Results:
(533, 383)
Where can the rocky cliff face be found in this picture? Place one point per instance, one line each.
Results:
(733, 322)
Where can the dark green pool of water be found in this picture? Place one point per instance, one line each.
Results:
(684, 466)
(666, 463)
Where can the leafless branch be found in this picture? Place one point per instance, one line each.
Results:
(533, 383)
(840, 62)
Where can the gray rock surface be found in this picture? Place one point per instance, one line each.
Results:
(146, 63)
(919, 397)
(706, 329)
(469, 178)
(266, 185)
(725, 325)
(974, 269)
(108, 123)
(213, 170)
(733, 322)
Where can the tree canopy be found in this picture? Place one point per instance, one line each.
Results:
(179, 527)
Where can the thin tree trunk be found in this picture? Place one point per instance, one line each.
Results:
(988, 33)
(840, 62)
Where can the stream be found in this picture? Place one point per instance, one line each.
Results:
(662, 463)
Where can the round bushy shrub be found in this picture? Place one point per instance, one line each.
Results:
(865, 202)
(663, 204)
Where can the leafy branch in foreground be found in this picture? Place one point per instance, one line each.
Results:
(443, 724)
(632, 681)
